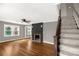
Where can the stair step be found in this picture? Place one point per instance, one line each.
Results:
(70, 35)
(69, 49)
(75, 31)
(70, 24)
(68, 27)
(68, 21)
(70, 32)
(62, 54)
(66, 18)
(71, 42)
(65, 53)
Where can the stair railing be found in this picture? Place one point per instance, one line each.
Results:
(57, 35)
(75, 16)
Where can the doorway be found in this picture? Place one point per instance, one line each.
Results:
(28, 31)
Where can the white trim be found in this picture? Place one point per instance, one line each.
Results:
(21, 23)
(22, 38)
(12, 29)
(10, 40)
(48, 42)
(25, 30)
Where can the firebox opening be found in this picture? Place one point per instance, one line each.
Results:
(37, 36)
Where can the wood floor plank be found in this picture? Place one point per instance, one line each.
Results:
(26, 47)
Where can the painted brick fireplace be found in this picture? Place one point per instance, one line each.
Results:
(37, 32)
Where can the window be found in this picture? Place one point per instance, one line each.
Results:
(11, 30)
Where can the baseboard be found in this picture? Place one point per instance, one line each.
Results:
(21, 39)
(8, 40)
(48, 42)
(12, 40)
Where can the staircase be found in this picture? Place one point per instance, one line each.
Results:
(69, 37)
(67, 33)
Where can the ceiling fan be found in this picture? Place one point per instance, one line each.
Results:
(26, 21)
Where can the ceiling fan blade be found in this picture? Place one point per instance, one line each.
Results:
(27, 21)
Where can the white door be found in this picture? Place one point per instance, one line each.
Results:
(28, 31)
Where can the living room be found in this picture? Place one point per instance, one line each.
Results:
(28, 22)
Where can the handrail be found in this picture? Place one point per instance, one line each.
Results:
(57, 35)
(75, 22)
(74, 17)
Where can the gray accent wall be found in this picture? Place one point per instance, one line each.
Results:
(2, 38)
(49, 30)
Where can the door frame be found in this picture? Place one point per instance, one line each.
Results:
(26, 29)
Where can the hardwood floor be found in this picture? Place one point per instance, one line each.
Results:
(26, 47)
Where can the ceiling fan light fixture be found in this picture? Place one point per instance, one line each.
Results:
(24, 20)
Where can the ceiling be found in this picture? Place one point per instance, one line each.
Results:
(36, 12)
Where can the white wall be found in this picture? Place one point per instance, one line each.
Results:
(76, 5)
(63, 9)
(49, 30)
